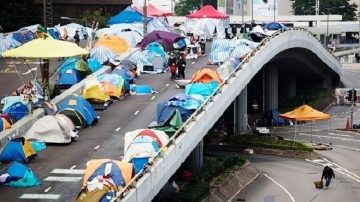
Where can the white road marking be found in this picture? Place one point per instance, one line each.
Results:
(167, 85)
(136, 112)
(193, 63)
(27, 72)
(97, 147)
(72, 167)
(347, 173)
(98, 117)
(341, 135)
(288, 193)
(47, 190)
(62, 179)
(323, 136)
(40, 196)
(117, 129)
(340, 146)
(153, 97)
(68, 171)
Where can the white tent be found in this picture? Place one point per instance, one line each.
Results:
(52, 129)
(130, 136)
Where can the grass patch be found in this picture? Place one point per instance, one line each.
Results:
(271, 142)
(219, 167)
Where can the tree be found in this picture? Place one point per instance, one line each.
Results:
(17, 14)
(184, 7)
(87, 18)
(307, 7)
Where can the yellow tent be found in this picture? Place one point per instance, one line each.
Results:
(46, 47)
(305, 113)
(94, 93)
(116, 44)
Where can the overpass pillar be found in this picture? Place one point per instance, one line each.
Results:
(271, 87)
(240, 112)
(195, 160)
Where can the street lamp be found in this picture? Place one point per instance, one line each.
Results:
(328, 10)
(274, 9)
(145, 17)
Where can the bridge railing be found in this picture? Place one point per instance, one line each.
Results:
(129, 188)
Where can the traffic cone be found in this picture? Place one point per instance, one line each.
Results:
(347, 124)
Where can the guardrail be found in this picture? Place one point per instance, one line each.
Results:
(171, 156)
(23, 125)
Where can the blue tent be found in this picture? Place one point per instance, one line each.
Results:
(157, 48)
(128, 15)
(274, 26)
(140, 90)
(68, 75)
(190, 102)
(165, 112)
(54, 33)
(115, 174)
(94, 64)
(18, 110)
(78, 110)
(20, 176)
(204, 89)
(9, 100)
(18, 150)
(126, 75)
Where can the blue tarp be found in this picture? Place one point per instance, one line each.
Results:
(274, 26)
(128, 15)
(190, 102)
(20, 176)
(140, 89)
(80, 105)
(204, 89)
(18, 110)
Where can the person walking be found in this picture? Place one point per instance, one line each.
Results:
(77, 38)
(172, 66)
(181, 64)
(328, 174)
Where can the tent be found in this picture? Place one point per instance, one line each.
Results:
(158, 62)
(304, 113)
(125, 74)
(204, 89)
(167, 121)
(159, 137)
(94, 93)
(68, 75)
(102, 54)
(94, 64)
(274, 26)
(116, 44)
(139, 58)
(129, 15)
(166, 39)
(165, 112)
(78, 110)
(151, 10)
(18, 110)
(19, 150)
(4, 124)
(9, 118)
(7, 43)
(103, 178)
(189, 102)
(113, 84)
(205, 20)
(18, 175)
(206, 75)
(72, 28)
(9, 100)
(52, 129)
(140, 90)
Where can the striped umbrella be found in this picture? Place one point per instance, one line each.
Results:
(102, 54)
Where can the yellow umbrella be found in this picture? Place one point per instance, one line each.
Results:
(116, 44)
(46, 48)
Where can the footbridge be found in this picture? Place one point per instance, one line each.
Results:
(284, 62)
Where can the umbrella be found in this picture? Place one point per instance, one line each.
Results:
(46, 48)
(102, 54)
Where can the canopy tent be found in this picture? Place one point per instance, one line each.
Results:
(206, 75)
(19, 150)
(46, 48)
(18, 175)
(304, 113)
(151, 10)
(116, 44)
(129, 15)
(205, 20)
(167, 39)
(78, 110)
(52, 129)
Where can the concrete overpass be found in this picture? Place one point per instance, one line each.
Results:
(292, 57)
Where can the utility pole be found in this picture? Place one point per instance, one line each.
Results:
(242, 13)
(145, 17)
(44, 67)
(274, 9)
(252, 10)
(327, 30)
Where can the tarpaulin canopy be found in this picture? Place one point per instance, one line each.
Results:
(207, 11)
(305, 113)
(129, 15)
(153, 11)
(116, 44)
(167, 39)
(46, 48)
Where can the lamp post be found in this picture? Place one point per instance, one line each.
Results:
(328, 10)
(44, 67)
(145, 17)
(274, 9)
(242, 12)
(252, 10)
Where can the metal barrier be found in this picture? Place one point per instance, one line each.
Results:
(148, 181)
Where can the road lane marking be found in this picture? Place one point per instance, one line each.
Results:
(72, 167)
(47, 190)
(351, 148)
(167, 85)
(97, 147)
(68, 171)
(117, 129)
(40, 196)
(323, 136)
(288, 193)
(136, 112)
(341, 135)
(153, 97)
(348, 173)
(62, 179)
(193, 63)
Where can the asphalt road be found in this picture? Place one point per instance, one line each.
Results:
(104, 140)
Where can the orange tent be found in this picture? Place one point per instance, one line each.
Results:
(305, 113)
(116, 44)
(205, 75)
(5, 124)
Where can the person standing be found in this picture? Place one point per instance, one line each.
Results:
(181, 64)
(328, 174)
(172, 66)
(77, 38)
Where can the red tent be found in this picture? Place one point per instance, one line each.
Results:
(207, 11)
(153, 11)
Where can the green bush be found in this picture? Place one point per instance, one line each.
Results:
(213, 167)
